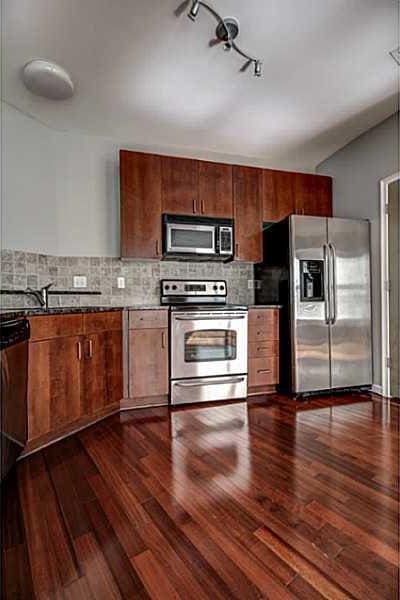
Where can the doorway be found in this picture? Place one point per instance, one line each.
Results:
(390, 230)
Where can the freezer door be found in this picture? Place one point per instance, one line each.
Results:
(351, 360)
(309, 329)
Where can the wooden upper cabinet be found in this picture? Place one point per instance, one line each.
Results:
(140, 181)
(278, 195)
(215, 190)
(247, 203)
(313, 195)
(180, 186)
(323, 195)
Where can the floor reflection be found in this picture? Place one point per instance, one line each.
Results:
(219, 436)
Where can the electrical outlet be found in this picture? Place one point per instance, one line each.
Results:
(80, 281)
(253, 284)
(121, 283)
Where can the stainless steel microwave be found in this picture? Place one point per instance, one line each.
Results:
(197, 238)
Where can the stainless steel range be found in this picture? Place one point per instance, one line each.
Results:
(208, 342)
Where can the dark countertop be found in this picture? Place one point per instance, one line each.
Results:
(8, 314)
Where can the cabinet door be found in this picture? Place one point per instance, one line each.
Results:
(323, 195)
(102, 371)
(140, 181)
(215, 190)
(54, 384)
(148, 362)
(248, 214)
(180, 186)
(278, 195)
(313, 195)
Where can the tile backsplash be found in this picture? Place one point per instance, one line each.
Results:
(142, 278)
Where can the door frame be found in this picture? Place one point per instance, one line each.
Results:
(385, 307)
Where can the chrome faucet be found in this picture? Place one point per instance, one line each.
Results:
(42, 295)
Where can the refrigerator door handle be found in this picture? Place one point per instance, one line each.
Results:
(333, 283)
(327, 293)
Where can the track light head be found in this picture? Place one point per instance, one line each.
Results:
(192, 14)
(257, 68)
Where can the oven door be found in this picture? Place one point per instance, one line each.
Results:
(208, 344)
(185, 238)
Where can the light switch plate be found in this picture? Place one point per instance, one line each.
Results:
(121, 283)
(79, 281)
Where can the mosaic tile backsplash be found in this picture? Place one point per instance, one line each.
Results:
(142, 279)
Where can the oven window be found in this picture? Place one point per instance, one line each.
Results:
(210, 345)
(191, 238)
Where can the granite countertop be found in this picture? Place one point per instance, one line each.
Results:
(8, 314)
(265, 306)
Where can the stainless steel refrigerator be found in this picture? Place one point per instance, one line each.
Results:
(318, 269)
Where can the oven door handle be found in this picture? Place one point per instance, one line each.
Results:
(210, 382)
(219, 318)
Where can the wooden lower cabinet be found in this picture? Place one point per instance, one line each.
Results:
(72, 379)
(148, 366)
(263, 349)
(54, 384)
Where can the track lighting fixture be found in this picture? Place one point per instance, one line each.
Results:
(194, 10)
(227, 31)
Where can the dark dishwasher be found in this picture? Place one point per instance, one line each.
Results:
(14, 336)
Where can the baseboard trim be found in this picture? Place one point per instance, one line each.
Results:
(377, 389)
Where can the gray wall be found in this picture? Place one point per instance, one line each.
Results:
(357, 170)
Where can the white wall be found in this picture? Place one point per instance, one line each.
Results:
(357, 170)
(59, 190)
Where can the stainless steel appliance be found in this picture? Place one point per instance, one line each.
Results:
(197, 238)
(319, 270)
(14, 335)
(208, 342)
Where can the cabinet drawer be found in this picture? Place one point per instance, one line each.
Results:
(148, 319)
(102, 321)
(52, 326)
(263, 371)
(264, 316)
(264, 349)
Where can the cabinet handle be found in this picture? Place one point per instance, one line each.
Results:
(157, 249)
(79, 350)
(263, 370)
(262, 348)
(237, 249)
(163, 339)
(90, 348)
(202, 206)
(194, 206)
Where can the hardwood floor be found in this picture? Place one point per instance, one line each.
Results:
(267, 499)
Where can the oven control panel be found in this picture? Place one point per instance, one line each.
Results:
(187, 288)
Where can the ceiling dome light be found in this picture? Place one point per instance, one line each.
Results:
(47, 79)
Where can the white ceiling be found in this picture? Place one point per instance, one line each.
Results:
(147, 77)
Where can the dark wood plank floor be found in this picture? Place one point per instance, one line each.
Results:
(269, 499)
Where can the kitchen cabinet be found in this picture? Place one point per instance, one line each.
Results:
(102, 361)
(247, 203)
(180, 186)
(313, 195)
(263, 350)
(54, 384)
(152, 185)
(74, 373)
(278, 195)
(140, 183)
(215, 190)
(148, 358)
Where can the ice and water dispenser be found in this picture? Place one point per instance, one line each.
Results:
(312, 280)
